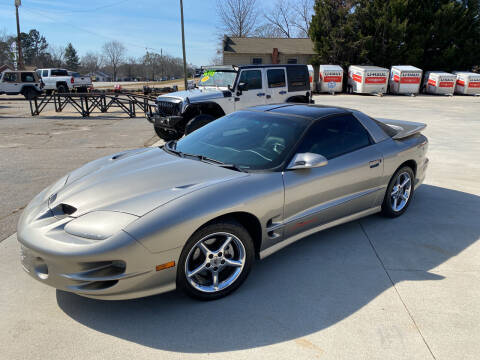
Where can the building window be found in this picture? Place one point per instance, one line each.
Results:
(256, 61)
(292, 61)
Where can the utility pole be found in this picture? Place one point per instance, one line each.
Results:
(183, 45)
(19, 43)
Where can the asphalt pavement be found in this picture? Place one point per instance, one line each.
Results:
(377, 288)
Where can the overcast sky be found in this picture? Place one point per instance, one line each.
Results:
(138, 24)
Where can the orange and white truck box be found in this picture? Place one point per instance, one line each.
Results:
(331, 78)
(468, 83)
(405, 79)
(440, 82)
(367, 79)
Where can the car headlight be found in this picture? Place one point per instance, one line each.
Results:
(99, 225)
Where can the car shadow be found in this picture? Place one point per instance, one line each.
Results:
(306, 287)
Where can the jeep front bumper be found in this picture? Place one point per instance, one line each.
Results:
(167, 122)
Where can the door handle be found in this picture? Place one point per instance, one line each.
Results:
(283, 92)
(237, 99)
(374, 163)
(268, 96)
(261, 94)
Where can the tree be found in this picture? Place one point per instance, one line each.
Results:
(334, 33)
(303, 12)
(34, 47)
(114, 52)
(237, 17)
(55, 55)
(280, 17)
(71, 58)
(91, 62)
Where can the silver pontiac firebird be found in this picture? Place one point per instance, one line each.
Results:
(194, 214)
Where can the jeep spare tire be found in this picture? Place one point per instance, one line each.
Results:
(197, 122)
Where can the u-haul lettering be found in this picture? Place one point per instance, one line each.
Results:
(332, 76)
(407, 78)
(376, 78)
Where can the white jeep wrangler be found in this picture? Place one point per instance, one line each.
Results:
(225, 89)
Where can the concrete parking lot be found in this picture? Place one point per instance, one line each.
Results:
(377, 288)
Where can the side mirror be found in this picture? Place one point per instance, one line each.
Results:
(242, 87)
(307, 161)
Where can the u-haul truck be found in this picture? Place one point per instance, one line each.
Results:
(405, 79)
(331, 78)
(440, 82)
(367, 79)
(468, 83)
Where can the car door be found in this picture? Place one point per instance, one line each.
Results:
(347, 185)
(276, 91)
(10, 83)
(255, 93)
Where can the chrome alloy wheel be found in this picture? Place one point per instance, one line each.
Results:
(215, 262)
(401, 191)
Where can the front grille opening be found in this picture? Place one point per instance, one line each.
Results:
(98, 285)
(103, 269)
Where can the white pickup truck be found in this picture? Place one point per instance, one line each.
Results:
(60, 80)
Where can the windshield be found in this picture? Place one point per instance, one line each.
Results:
(249, 140)
(220, 78)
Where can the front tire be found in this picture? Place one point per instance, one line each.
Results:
(215, 261)
(166, 135)
(197, 122)
(399, 192)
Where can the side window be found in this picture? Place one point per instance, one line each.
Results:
(335, 136)
(253, 78)
(10, 77)
(27, 77)
(276, 78)
(45, 73)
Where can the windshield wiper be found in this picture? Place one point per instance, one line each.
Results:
(202, 158)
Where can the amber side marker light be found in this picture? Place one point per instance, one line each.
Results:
(165, 266)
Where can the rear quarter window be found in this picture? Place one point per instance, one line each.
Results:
(298, 78)
(28, 77)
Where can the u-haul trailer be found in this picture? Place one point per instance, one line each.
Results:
(405, 79)
(439, 82)
(367, 79)
(468, 83)
(331, 78)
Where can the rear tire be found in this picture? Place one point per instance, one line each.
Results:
(29, 93)
(62, 89)
(223, 251)
(399, 192)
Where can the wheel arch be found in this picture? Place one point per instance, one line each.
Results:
(208, 107)
(246, 219)
(411, 164)
(297, 99)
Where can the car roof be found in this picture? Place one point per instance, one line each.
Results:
(309, 111)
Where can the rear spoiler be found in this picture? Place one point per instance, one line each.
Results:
(402, 129)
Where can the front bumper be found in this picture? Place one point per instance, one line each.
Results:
(165, 122)
(112, 269)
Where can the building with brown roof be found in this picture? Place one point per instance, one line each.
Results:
(252, 50)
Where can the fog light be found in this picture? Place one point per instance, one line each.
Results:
(41, 268)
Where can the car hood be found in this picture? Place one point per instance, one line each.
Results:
(136, 182)
(196, 95)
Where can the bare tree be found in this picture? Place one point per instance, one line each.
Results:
(303, 11)
(280, 17)
(57, 55)
(237, 17)
(267, 31)
(114, 52)
(91, 62)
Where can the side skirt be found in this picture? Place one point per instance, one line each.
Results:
(280, 245)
